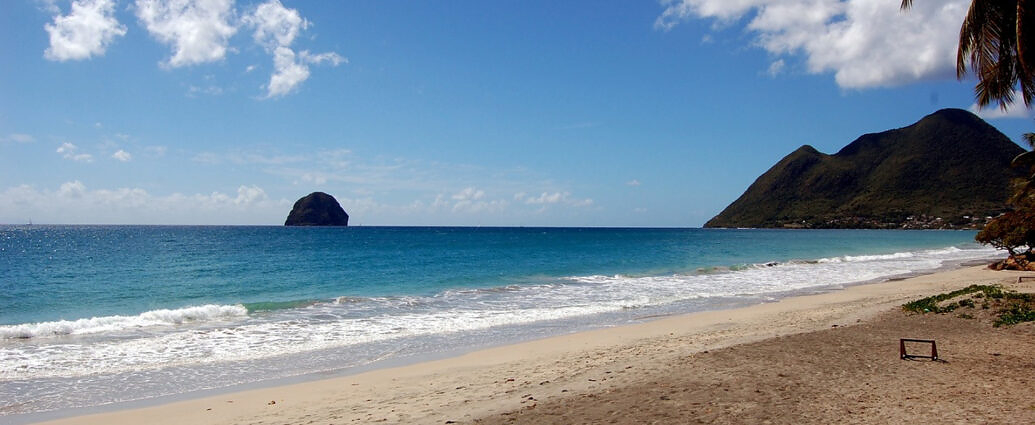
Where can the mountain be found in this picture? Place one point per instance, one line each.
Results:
(948, 165)
(317, 209)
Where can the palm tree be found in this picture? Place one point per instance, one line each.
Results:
(1026, 161)
(997, 39)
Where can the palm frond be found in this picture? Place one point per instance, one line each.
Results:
(1030, 139)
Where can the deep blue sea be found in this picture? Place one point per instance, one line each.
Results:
(93, 315)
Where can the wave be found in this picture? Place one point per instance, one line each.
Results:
(162, 317)
(303, 326)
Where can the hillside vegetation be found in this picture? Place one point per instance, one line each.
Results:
(949, 170)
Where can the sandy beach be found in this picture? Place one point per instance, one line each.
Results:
(806, 359)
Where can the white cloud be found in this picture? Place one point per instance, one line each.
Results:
(197, 30)
(248, 195)
(470, 200)
(275, 25)
(49, 6)
(865, 43)
(73, 189)
(632, 182)
(86, 31)
(995, 112)
(17, 138)
(547, 198)
(122, 155)
(276, 28)
(469, 194)
(288, 73)
(66, 148)
(73, 202)
(71, 151)
(334, 58)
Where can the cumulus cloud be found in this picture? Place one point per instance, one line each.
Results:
(197, 30)
(122, 155)
(288, 73)
(71, 151)
(275, 25)
(247, 195)
(87, 30)
(864, 43)
(275, 29)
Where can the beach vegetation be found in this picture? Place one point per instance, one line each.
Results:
(934, 303)
(1011, 307)
(1016, 313)
(1014, 232)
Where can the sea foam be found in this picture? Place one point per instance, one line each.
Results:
(93, 325)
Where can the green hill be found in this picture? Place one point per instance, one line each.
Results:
(948, 165)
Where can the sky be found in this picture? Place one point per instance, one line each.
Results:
(470, 113)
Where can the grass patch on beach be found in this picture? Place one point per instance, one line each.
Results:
(1011, 307)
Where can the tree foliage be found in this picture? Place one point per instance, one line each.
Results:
(1013, 231)
(997, 41)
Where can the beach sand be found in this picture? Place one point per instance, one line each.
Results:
(806, 359)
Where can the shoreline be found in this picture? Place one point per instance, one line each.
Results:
(487, 381)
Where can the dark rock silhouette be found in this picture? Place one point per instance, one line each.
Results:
(949, 167)
(317, 209)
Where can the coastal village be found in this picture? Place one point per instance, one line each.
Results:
(912, 222)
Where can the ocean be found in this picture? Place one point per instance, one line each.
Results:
(96, 315)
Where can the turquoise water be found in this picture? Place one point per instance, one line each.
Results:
(172, 310)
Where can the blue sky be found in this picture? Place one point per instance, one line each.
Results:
(524, 113)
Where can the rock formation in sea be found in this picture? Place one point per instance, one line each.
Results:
(317, 209)
(949, 170)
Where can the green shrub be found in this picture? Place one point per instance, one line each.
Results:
(1019, 307)
(1016, 313)
(930, 304)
